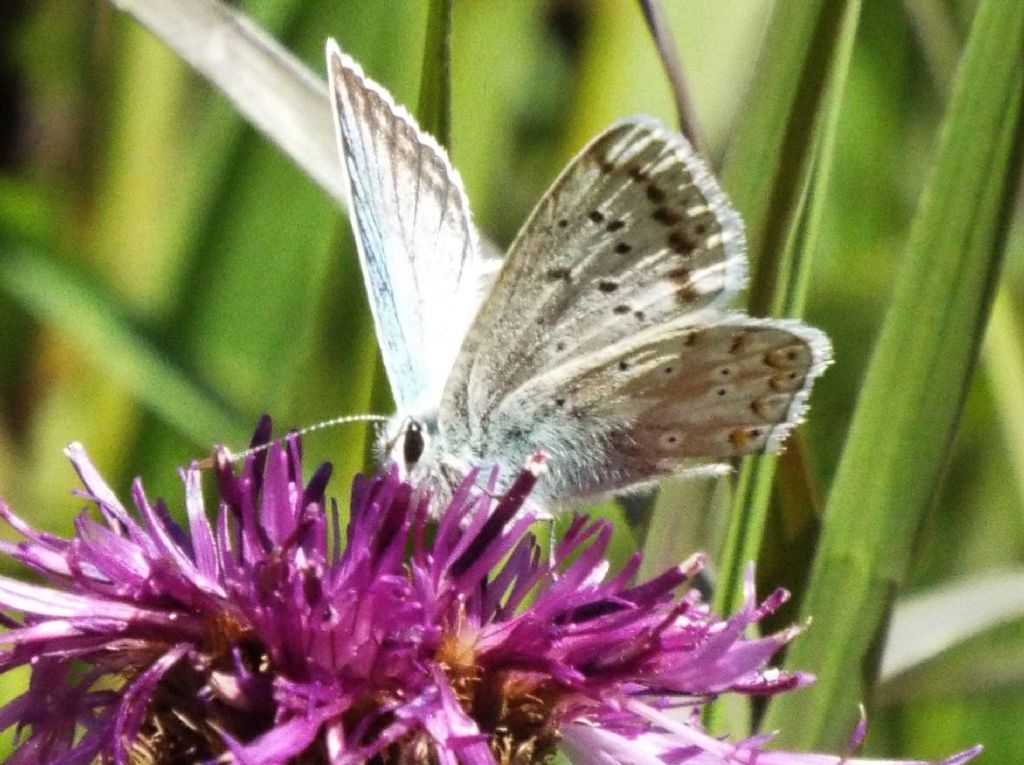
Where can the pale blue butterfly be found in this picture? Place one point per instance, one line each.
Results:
(603, 337)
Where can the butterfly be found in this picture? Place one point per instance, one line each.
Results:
(603, 337)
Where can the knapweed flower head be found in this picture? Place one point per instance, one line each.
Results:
(262, 637)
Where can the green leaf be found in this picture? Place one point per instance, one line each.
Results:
(913, 394)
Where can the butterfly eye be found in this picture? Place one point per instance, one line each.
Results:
(413, 444)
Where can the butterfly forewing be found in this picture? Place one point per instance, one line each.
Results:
(635, 233)
(603, 340)
(416, 243)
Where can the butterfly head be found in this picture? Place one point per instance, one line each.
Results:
(405, 442)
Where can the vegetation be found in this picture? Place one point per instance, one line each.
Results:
(167, 274)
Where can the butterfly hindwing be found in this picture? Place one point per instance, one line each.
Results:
(417, 246)
(705, 392)
(652, 404)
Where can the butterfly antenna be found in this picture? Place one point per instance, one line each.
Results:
(239, 456)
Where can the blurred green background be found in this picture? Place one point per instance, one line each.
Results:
(168, 275)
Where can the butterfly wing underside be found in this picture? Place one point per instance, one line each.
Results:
(417, 246)
(603, 339)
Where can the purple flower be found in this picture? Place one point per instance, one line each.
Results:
(262, 638)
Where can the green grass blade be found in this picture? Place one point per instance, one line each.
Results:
(434, 108)
(668, 52)
(769, 153)
(58, 296)
(1003, 355)
(786, 297)
(787, 125)
(912, 397)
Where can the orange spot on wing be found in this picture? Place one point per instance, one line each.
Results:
(739, 437)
